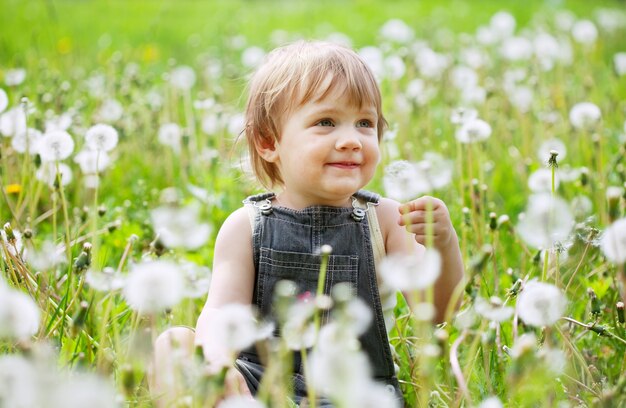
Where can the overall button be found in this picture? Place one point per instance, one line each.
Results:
(358, 214)
(265, 208)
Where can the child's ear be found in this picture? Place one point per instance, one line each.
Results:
(267, 150)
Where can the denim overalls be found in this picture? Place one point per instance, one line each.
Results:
(286, 245)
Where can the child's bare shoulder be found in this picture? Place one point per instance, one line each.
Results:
(238, 223)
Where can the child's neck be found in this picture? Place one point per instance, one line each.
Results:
(298, 202)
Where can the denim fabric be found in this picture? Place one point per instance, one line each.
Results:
(286, 245)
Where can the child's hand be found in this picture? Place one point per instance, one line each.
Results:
(413, 217)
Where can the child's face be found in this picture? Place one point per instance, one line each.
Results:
(328, 149)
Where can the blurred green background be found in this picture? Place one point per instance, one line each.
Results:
(69, 32)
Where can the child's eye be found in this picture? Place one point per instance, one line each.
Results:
(365, 123)
(325, 122)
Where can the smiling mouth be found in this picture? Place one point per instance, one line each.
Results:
(345, 165)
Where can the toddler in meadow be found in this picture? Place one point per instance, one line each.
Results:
(314, 123)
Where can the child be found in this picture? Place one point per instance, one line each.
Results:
(313, 125)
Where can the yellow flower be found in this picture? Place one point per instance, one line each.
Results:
(13, 188)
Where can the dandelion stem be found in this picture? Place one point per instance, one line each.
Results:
(601, 331)
(456, 367)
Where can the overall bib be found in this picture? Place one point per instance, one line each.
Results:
(286, 246)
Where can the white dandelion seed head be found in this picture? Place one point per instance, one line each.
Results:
(27, 141)
(584, 115)
(564, 20)
(474, 57)
(408, 272)
(83, 390)
(373, 57)
(395, 67)
(56, 145)
(493, 309)
(524, 344)
(619, 63)
(197, 279)
(486, 36)
(47, 257)
(14, 77)
(400, 180)
(463, 77)
(60, 122)
(211, 123)
(372, 394)
(516, 49)
(92, 161)
(338, 38)
(396, 30)
(418, 92)
(182, 78)
(541, 304)
(236, 328)
(503, 24)
(239, 401)
(15, 248)
(476, 130)
(581, 206)
(431, 64)
(355, 316)
(546, 46)
(521, 97)
(154, 286)
(106, 280)
(436, 171)
(613, 242)
(48, 171)
(554, 359)
(299, 332)
(543, 153)
(101, 137)
(4, 100)
(252, 57)
(170, 135)
(491, 402)
(547, 220)
(337, 372)
(461, 115)
(236, 124)
(180, 227)
(19, 315)
(540, 181)
(585, 32)
(13, 122)
(19, 385)
(110, 111)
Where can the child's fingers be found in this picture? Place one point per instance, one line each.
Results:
(420, 204)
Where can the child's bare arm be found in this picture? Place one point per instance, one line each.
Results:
(411, 217)
(232, 280)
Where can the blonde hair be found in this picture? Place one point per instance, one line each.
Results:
(290, 77)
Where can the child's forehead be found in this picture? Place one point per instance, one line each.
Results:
(334, 92)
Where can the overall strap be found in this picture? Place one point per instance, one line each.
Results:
(257, 203)
(368, 201)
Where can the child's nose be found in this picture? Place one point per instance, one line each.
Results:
(349, 140)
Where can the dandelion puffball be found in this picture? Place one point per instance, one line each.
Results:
(541, 304)
(154, 286)
(613, 243)
(19, 315)
(584, 115)
(547, 220)
(101, 137)
(183, 78)
(4, 100)
(397, 30)
(476, 130)
(55, 145)
(408, 272)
